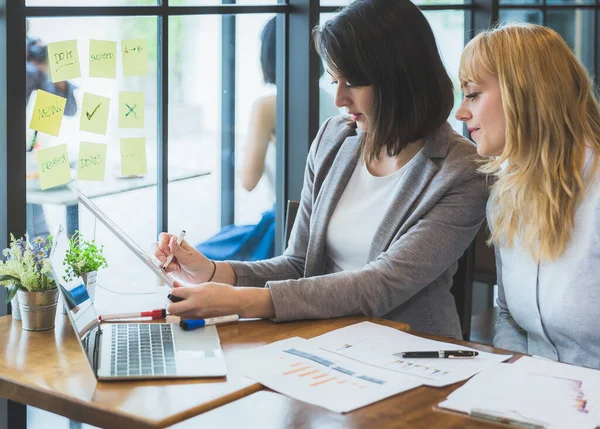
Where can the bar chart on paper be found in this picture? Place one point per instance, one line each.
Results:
(294, 368)
(323, 373)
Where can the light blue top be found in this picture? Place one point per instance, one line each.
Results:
(551, 309)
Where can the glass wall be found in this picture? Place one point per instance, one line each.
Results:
(207, 87)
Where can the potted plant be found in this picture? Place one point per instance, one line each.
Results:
(27, 274)
(83, 259)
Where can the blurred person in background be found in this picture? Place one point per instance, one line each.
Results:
(257, 242)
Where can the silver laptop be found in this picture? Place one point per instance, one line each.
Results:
(118, 351)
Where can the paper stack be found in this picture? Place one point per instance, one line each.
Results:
(532, 393)
(354, 366)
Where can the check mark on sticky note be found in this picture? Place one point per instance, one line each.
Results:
(89, 115)
(96, 110)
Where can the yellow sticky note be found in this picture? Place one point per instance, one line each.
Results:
(53, 166)
(133, 156)
(48, 112)
(135, 57)
(103, 59)
(64, 60)
(94, 113)
(92, 161)
(131, 109)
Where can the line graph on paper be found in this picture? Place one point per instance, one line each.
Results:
(574, 394)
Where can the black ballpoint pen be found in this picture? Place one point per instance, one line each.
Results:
(438, 354)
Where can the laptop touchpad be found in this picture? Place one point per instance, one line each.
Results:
(202, 341)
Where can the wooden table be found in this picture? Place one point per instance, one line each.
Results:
(48, 370)
(414, 409)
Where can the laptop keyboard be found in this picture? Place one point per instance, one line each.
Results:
(142, 349)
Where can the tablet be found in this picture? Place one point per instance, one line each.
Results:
(146, 259)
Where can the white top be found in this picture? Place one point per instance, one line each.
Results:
(357, 216)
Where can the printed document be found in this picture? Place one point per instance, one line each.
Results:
(539, 392)
(375, 345)
(354, 366)
(297, 368)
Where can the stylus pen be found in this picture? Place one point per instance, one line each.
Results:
(174, 298)
(438, 354)
(189, 324)
(161, 313)
(170, 257)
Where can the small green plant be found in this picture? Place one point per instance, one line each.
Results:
(26, 267)
(82, 257)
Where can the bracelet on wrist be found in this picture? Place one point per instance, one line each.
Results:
(213, 271)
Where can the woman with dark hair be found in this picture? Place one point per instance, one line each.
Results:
(391, 196)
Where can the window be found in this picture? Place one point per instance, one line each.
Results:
(204, 77)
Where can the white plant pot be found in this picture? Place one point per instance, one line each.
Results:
(14, 308)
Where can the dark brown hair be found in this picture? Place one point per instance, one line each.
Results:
(389, 44)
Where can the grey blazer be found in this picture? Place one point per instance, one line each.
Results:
(413, 255)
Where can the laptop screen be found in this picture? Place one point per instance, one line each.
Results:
(79, 307)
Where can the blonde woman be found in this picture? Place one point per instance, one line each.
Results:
(530, 107)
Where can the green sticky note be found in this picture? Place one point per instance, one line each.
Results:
(53, 166)
(103, 59)
(48, 112)
(94, 113)
(64, 60)
(131, 109)
(135, 57)
(92, 161)
(133, 156)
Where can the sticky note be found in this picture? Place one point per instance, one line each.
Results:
(92, 161)
(131, 109)
(64, 60)
(48, 112)
(133, 156)
(135, 57)
(53, 166)
(103, 59)
(94, 113)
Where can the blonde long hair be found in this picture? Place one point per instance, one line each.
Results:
(551, 117)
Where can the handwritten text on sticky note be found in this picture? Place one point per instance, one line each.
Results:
(64, 60)
(133, 156)
(103, 59)
(131, 109)
(48, 112)
(135, 57)
(53, 166)
(94, 113)
(92, 161)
